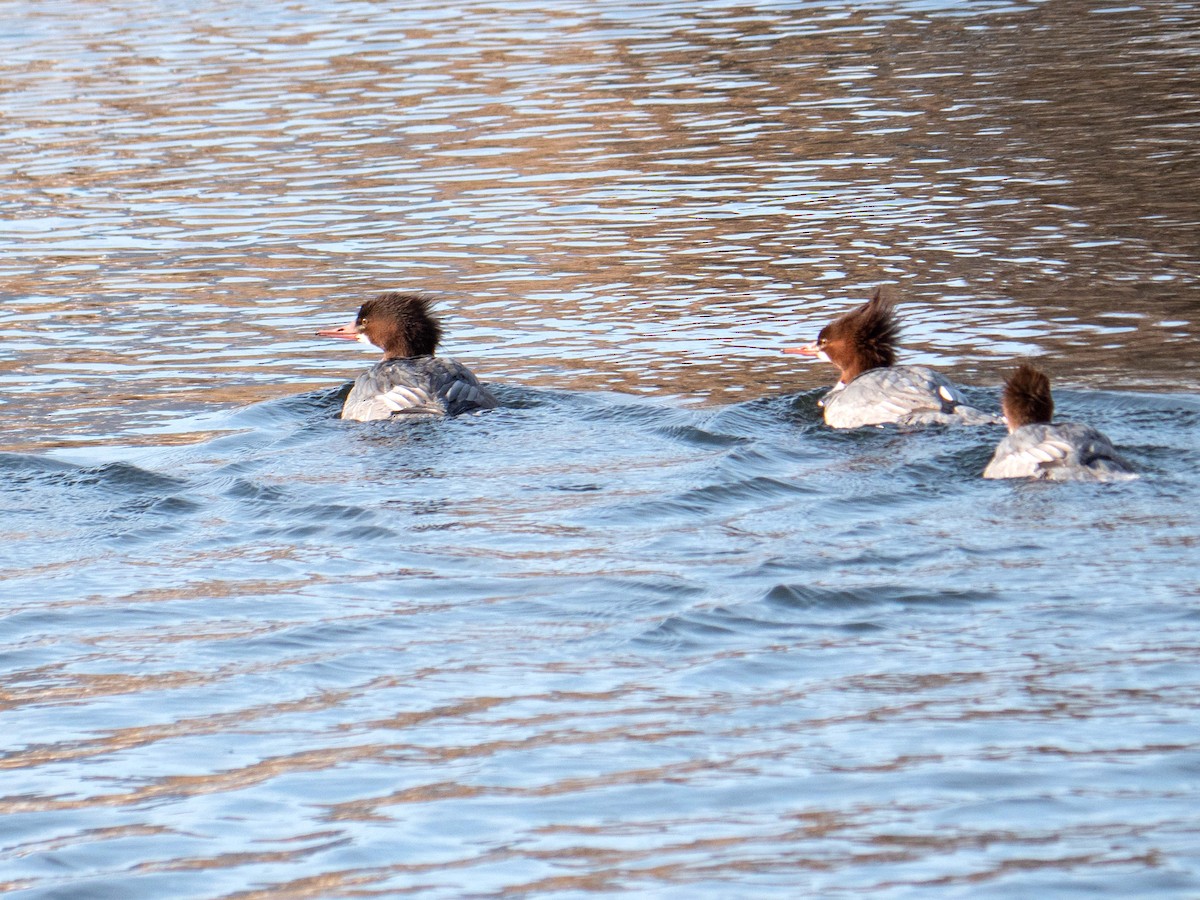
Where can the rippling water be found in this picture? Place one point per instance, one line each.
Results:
(649, 627)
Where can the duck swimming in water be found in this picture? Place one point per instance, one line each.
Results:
(409, 380)
(1037, 448)
(872, 389)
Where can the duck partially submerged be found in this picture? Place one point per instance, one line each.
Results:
(871, 388)
(410, 379)
(1036, 447)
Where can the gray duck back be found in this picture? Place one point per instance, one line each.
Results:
(417, 386)
(1065, 451)
(904, 395)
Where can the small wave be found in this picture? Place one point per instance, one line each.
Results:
(20, 467)
(294, 408)
(127, 478)
(807, 597)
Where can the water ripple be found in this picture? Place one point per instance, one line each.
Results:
(648, 627)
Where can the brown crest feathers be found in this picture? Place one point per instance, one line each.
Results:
(401, 324)
(1027, 399)
(869, 331)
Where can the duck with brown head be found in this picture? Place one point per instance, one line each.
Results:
(1038, 448)
(410, 379)
(871, 388)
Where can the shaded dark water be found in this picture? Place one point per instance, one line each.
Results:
(649, 627)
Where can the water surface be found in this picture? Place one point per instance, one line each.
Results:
(649, 627)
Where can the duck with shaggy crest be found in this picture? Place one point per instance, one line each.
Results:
(1037, 447)
(872, 389)
(410, 380)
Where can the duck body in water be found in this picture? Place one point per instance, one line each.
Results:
(1038, 448)
(872, 389)
(410, 380)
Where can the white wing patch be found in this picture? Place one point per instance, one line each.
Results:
(402, 397)
(1049, 451)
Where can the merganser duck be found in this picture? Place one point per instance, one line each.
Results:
(872, 389)
(1035, 448)
(409, 380)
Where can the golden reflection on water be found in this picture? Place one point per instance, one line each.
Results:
(651, 199)
(600, 203)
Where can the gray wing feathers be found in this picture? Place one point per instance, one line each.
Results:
(1066, 451)
(469, 396)
(422, 386)
(905, 395)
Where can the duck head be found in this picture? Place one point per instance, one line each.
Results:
(858, 341)
(401, 325)
(1026, 399)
